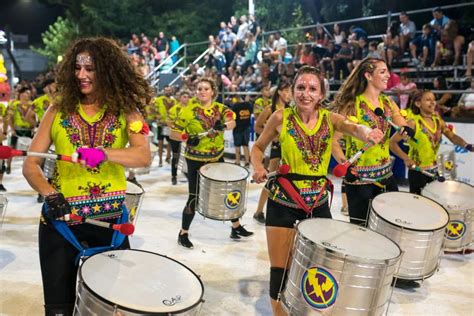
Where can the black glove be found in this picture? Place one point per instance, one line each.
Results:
(193, 141)
(57, 206)
(219, 126)
(350, 177)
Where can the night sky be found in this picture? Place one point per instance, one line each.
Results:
(28, 17)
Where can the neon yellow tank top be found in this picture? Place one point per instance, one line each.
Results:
(40, 105)
(375, 163)
(425, 151)
(308, 153)
(260, 104)
(195, 119)
(92, 192)
(19, 114)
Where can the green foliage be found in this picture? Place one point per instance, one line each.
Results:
(57, 39)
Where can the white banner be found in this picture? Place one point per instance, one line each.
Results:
(464, 159)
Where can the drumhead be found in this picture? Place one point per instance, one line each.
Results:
(132, 188)
(453, 195)
(142, 281)
(410, 211)
(223, 171)
(348, 239)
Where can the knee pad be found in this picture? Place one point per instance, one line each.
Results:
(58, 309)
(277, 277)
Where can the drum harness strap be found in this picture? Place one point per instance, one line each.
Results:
(288, 186)
(65, 231)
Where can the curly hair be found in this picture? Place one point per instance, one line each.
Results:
(118, 83)
(355, 84)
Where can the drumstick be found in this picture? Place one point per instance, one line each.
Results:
(282, 170)
(341, 169)
(7, 152)
(126, 229)
(429, 174)
(379, 112)
(185, 136)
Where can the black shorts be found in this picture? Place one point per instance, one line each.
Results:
(241, 137)
(160, 134)
(20, 133)
(282, 216)
(275, 150)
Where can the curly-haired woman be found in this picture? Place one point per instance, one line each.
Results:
(99, 112)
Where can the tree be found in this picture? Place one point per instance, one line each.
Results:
(57, 39)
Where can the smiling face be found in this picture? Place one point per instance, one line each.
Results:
(379, 77)
(307, 92)
(427, 104)
(85, 73)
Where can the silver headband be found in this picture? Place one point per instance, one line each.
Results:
(82, 59)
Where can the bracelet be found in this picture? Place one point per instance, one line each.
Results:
(50, 193)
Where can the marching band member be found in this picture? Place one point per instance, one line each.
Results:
(429, 127)
(202, 115)
(305, 133)
(96, 116)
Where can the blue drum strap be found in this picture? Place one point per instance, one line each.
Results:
(63, 229)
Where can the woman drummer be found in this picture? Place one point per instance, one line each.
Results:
(203, 115)
(358, 99)
(428, 127)
(281, 99)
(305, 132)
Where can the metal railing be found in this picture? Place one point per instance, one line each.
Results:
(188, 67)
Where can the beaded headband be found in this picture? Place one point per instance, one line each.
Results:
(82, 59)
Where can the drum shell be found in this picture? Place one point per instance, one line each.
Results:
(89, 303)
(441, 192)
(421, 249)
(146, 170)
(182, 165)
(23, 143)
(3, 207)
(213, 194)
(446, 161)
(133, 202)
(364, 285)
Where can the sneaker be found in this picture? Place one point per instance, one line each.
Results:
(40, 198)
(460, 252)
(239, 231)
(8, 170)
(259, 217)
(174, 181)
(184, 241)
(405, 284)
(345, 211)
(2, 188)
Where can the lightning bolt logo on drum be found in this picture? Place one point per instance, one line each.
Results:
(319, 288)
(232, 199)
(455, 230)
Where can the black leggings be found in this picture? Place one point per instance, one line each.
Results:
(57, 260)
(175, 149)
(359, 197)
(417, 181)
(193, 189)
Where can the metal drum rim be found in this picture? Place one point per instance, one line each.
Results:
(407, 228)
(350, 257)
(223, 181)
(128, 309)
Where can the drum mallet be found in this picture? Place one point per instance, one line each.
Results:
(409, 132)
(185, 136)
(126, 228)
(429, 174)
(7, 152)
(341, 169)
(282, 170)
